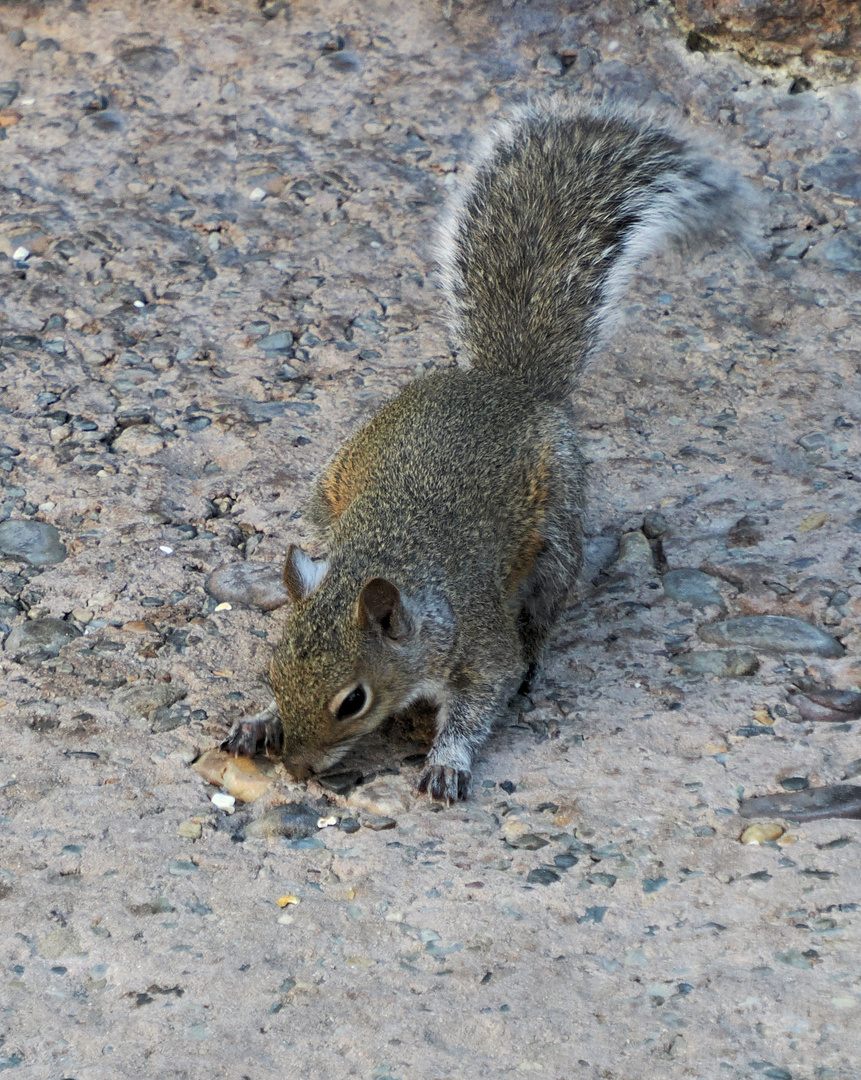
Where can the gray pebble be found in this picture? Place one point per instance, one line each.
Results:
(142, 699)
(549, 64)
(691, 587)
(839, 172)
(843, 251)
(295, 821)
(773, 634)
(9, 90)
(258, 585)
(834, 800)
(152, 60)
(724, 663)
(36, 541)
(542, 875)
(820, 704)
(529, 841)
(378, 823)
(280, 342)
(46, 636)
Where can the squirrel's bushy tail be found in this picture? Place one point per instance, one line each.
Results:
(561, 207)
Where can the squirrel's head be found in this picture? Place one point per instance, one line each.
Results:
(344, 664)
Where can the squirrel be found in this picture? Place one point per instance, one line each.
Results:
(453, 519)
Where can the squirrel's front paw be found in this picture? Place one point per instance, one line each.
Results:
(444, 784)
(263, 730)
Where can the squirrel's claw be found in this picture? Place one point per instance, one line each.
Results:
(261, 731)
(445, 784)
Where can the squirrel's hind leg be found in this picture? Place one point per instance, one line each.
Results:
(542, 598)
(251, 733)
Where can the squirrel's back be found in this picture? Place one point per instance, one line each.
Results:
(561, 206)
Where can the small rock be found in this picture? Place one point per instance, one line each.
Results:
(36, 541)
(349, 825)
(834, 800)
(760, 834)
(378, 823)
(773, 634)
(221, 801)
(142, 440)
(549, 64)
(280, 342)
(37, 636)
(258, 585)
(542, 875)
(295, 821)
(63, 942)
(528, 841)
(181, 867)
(151, 60)
(691, 587)
(382, 798)
(823, 705)
(723, 663)
(839, 172)
(141, 699)
(635, 555)
(795, 783)
(190, 829)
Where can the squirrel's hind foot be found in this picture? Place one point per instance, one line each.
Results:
(445, 784)
(262, 731)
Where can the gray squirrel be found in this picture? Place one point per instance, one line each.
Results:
(452, 520)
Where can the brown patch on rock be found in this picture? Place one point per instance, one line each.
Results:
(776, 32)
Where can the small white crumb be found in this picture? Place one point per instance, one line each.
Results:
(223, 607)
(257, 195)
(227, 803)
(139, 303)
(325, 822)
(167, 550)
(20, 254)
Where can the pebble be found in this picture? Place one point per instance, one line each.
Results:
(381, 798)
(279, 342)
(691, 587)
(379, 823)
(36, 541)
(823, 705)
(62, 942)
(761, 834)
(257, 585)
(839, 172)
(542, 875)
(141, 699)
(152, 60)
(143, 440)
(45, 636)
(774, 634)
(222, 801)
(181, 867)
(294, 820)
(192, 830)
(834, 800)
(723, 663)
(528, 841)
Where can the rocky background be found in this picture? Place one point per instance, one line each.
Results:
(216, 239)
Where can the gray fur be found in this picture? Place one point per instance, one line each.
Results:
(452, 520)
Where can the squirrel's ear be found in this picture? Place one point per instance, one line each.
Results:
(380, 605)
(301, 574)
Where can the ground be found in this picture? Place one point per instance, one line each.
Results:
(217, 259)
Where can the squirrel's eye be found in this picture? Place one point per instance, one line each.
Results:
(352, 704)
